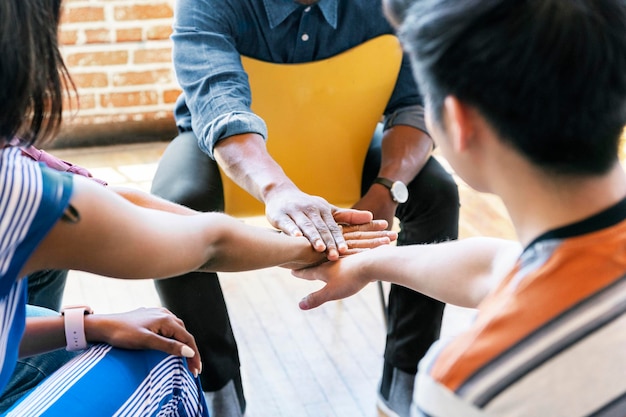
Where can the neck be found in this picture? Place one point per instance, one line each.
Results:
(306, 2)
(539, 203)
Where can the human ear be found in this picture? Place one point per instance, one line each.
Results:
(458, 123)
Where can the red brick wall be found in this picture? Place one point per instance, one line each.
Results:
(119, 55)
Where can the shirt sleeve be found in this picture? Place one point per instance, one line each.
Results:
(216, 94)
(409, 116)
(406, 106)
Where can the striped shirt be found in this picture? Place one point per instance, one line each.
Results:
(550, 340)
(31, 201)
(103, 381)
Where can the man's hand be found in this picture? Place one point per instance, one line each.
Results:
(379, 203)
(300, 214)
(145, 328)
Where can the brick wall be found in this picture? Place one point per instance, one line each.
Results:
(119, 55)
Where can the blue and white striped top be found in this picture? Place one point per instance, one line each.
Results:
(32, 199)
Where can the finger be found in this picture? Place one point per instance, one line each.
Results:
(173, 316)
(177, 348)
(288, 226)
(352, 216)
(368, 243)
(309, 227)
(335, 242)
(358, 235)
(181, 343)
(374, 225)
(315, 299)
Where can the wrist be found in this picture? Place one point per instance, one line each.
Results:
(74, 325)
(398, 190)
(275, 189)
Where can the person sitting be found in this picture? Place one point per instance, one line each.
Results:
(526, 100)
(219, 128)
(144, 362)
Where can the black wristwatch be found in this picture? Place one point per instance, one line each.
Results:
(397, 189)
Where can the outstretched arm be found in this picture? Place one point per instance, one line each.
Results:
(114, 237)
(458, 272)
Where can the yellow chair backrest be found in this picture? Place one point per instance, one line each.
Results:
(320, 116)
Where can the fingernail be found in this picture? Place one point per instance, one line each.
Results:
(187, 352)
(303, 304)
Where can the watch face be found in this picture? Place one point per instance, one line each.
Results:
(399, 192)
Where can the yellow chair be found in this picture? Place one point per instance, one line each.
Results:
(320, 117)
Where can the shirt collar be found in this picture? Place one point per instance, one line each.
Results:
(278, 10)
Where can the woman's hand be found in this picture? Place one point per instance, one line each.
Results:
(145, 328)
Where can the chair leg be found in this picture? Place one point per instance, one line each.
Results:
(383, 302)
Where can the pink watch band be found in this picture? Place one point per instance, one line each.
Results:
(75, 327)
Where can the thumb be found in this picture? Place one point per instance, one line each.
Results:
(315, 299)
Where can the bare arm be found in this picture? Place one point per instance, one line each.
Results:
(146, 200)
(245, 159)
(144, 328)
(405, 151)
(459, 272)
(117, 238)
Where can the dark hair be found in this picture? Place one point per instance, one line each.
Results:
(33, 76)
(549, 75)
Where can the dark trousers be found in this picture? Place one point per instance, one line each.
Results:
(188, 176)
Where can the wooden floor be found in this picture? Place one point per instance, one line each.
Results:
(321, 363)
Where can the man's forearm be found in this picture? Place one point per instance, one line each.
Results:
(244, 158)
(405, 151)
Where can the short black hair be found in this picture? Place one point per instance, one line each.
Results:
(549, 75)
(33, 76)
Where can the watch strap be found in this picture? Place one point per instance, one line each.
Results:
(384, 181)
(74, 321)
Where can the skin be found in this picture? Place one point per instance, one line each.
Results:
(463, 272)
(173, 240)
(245, 159)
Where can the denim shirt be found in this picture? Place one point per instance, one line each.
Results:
(210, 35)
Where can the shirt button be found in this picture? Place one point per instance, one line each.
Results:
(308, 9)
(305, 37)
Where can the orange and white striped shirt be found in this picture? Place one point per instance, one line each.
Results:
(550, 340)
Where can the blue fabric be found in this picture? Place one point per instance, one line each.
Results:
(31, 201)
(106, 381)
(103, 381)
(210, 35)
(31, 371)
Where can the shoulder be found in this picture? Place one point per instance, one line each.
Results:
(32, 199)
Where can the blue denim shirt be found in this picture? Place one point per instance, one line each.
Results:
(210, 35)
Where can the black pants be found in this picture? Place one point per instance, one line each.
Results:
(188, 176)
